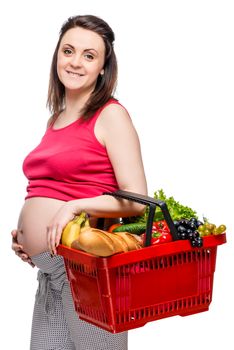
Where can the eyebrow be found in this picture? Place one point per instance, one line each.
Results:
(84, 50)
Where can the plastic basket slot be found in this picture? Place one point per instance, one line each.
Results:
(123, 289)
(82, 268)
(206, 270)
(93, 313)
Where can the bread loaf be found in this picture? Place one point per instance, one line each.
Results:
(102, 243)
(96, 242)
(132, 242)
(120, 244)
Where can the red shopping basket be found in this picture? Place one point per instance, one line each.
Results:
(127, 290)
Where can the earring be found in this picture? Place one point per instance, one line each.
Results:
(102, 73)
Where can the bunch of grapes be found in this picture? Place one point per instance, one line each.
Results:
(188, 229)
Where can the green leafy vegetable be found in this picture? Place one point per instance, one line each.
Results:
(176, 210)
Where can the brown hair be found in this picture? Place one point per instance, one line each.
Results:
(105, 85)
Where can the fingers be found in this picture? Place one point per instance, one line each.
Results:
(53, 238)
(18, 248)
(51, 232)
(21, 254)
(15, 245)
(27, 259)
(58, 236)
(24, 257)
(14, 236)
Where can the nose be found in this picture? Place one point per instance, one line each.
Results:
(76, 60)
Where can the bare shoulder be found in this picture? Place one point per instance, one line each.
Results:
(114, 120)
(114, 114)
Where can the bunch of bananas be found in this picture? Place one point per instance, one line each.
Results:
(73, 229)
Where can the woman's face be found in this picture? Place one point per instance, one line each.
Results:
(80, 59)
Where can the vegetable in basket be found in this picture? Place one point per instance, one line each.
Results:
(185, 219)
(175, 208)
(160, 233)
(135, 228)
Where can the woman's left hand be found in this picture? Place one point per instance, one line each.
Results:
(18, 248)
(54, 230)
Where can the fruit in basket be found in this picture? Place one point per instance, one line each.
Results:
(72, 229)
(210, 229)
(189, 229)
(220, 229)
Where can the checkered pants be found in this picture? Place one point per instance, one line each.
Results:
(56, 325)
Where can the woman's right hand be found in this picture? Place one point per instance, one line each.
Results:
(18, 249)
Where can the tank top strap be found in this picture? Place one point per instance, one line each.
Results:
(94, 118)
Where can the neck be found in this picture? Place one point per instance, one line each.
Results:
(74, 103)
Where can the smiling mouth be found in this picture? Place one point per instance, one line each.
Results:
(73, 74)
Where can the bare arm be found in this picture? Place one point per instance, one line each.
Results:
(116, 132)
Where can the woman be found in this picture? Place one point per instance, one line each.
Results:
(90, 146)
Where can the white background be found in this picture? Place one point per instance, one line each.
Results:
(176, 78)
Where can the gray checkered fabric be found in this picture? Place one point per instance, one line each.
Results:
(56, 325)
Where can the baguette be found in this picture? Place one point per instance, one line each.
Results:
(132, 242)
(96, 242)
(120, 244)
(102, 243)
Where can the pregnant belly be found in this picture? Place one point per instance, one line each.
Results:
(34, 218)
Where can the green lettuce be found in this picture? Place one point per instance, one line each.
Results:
(176, 209)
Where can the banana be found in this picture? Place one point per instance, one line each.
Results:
(66, 232)
(85, 225)
(72, 229)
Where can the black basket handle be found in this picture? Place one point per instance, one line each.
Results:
(152, 203)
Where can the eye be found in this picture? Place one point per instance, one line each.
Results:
(89, 56)
(67, 51)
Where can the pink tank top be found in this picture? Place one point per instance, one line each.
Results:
(70, 163)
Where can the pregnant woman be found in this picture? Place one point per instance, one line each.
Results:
(90, 146)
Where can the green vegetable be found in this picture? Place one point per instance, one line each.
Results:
(176, 210)
(136, 228)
